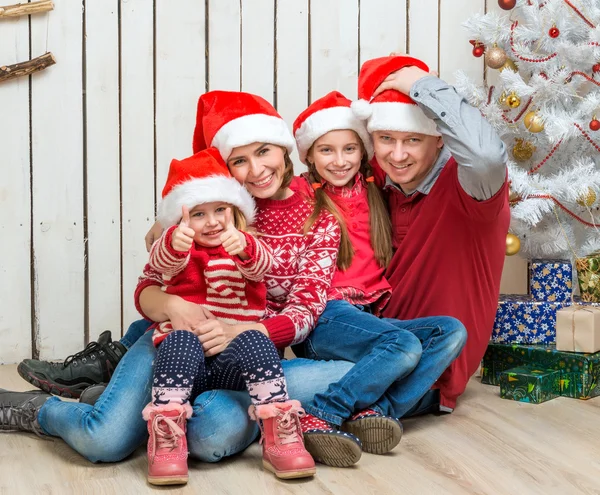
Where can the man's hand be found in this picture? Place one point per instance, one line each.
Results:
(403, 79)
(183, 236)
(154, 233)
(233, 241)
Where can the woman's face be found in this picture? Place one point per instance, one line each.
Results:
(260, 168)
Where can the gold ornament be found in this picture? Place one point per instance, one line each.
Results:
(523, 150)
(533, 122)
(495, 57)
(513, 197)
(509, 64)
(587, 199)
(502, 99)
(513, 244)
(513, 101)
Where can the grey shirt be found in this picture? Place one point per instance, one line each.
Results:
(468, 137)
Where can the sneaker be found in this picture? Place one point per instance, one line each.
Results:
(95, 364)
(379, 434)
(91, 394)
(327, 444)
(284, 453)
(19, 410)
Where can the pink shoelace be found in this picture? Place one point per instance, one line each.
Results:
(166, 436)
(288, 426)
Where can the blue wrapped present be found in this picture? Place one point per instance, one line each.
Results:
(523, 320)
(551, 280)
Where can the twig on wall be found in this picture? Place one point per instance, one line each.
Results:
(26, 68)
(26, 8)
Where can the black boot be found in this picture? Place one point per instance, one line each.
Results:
(19, 410)
(95, 364)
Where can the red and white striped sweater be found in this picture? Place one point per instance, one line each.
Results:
(303, 266)
(230, 288)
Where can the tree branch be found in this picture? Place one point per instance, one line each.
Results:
(26, 68)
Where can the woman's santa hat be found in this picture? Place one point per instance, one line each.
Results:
(201, 178)
(228, 119)
(330, 113)
(390, 110)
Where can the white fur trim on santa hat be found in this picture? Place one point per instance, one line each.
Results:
(206, 190)
(326, 120)
(403, 117)
(255, 128)
(362, 109)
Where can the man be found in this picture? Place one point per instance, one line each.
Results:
(443, 168)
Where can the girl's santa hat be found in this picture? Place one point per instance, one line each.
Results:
(228, 119)
(330, 113)
(390, 110)
(201, 178)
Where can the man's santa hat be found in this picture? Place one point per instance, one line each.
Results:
(201, 178)
(228, 119)
(390, 110)
(332, 112)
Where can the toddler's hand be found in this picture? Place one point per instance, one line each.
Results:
(183, 236)
(233, 241)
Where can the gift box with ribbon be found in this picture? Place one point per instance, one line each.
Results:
(578, 329)
(525, 384)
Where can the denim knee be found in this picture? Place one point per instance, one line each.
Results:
(456, 333)
(220, 426)
(410, 350)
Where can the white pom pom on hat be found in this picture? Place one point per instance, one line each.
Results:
(362, 109)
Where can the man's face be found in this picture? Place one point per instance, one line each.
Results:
(406, 157)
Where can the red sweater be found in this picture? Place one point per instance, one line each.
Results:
(448, 261)
(363, 282)
(303, 266)
(228, 287)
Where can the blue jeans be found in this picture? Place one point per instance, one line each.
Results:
(113, 428)
(397, 361)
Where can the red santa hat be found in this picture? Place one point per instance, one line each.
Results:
(390, 110)
(228, 119)
(201, 178)
(332, 112)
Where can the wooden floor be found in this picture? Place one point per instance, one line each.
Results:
(487, 446)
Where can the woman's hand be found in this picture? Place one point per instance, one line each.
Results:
(215, 336)
(154, 233)
(185, 315)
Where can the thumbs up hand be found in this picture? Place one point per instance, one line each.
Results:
(183, 236)
(232, 240)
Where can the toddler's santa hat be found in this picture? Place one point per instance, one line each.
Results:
(228, 119)
(390, 110)
(330, 113)
(201, 178)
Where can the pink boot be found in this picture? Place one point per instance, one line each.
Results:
(283, 446)
(167, 445)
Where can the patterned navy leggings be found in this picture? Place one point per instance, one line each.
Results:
(182, 372)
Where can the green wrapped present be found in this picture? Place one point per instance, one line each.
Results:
(579, 373)
(588, 276)
(529, 385)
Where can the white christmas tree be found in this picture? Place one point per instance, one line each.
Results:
(546, 107)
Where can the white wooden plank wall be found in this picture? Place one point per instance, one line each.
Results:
(85, 159)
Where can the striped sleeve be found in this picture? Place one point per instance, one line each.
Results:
(164, 259)
(260, 261)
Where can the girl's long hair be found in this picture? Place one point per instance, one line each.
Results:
(379, 218)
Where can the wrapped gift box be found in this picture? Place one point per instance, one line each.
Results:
(588, 277)
(525, 384)
(551, 280)
(578, 329)
(523, 320)
(579, 373)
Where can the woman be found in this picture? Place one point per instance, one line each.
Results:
(113, 428)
